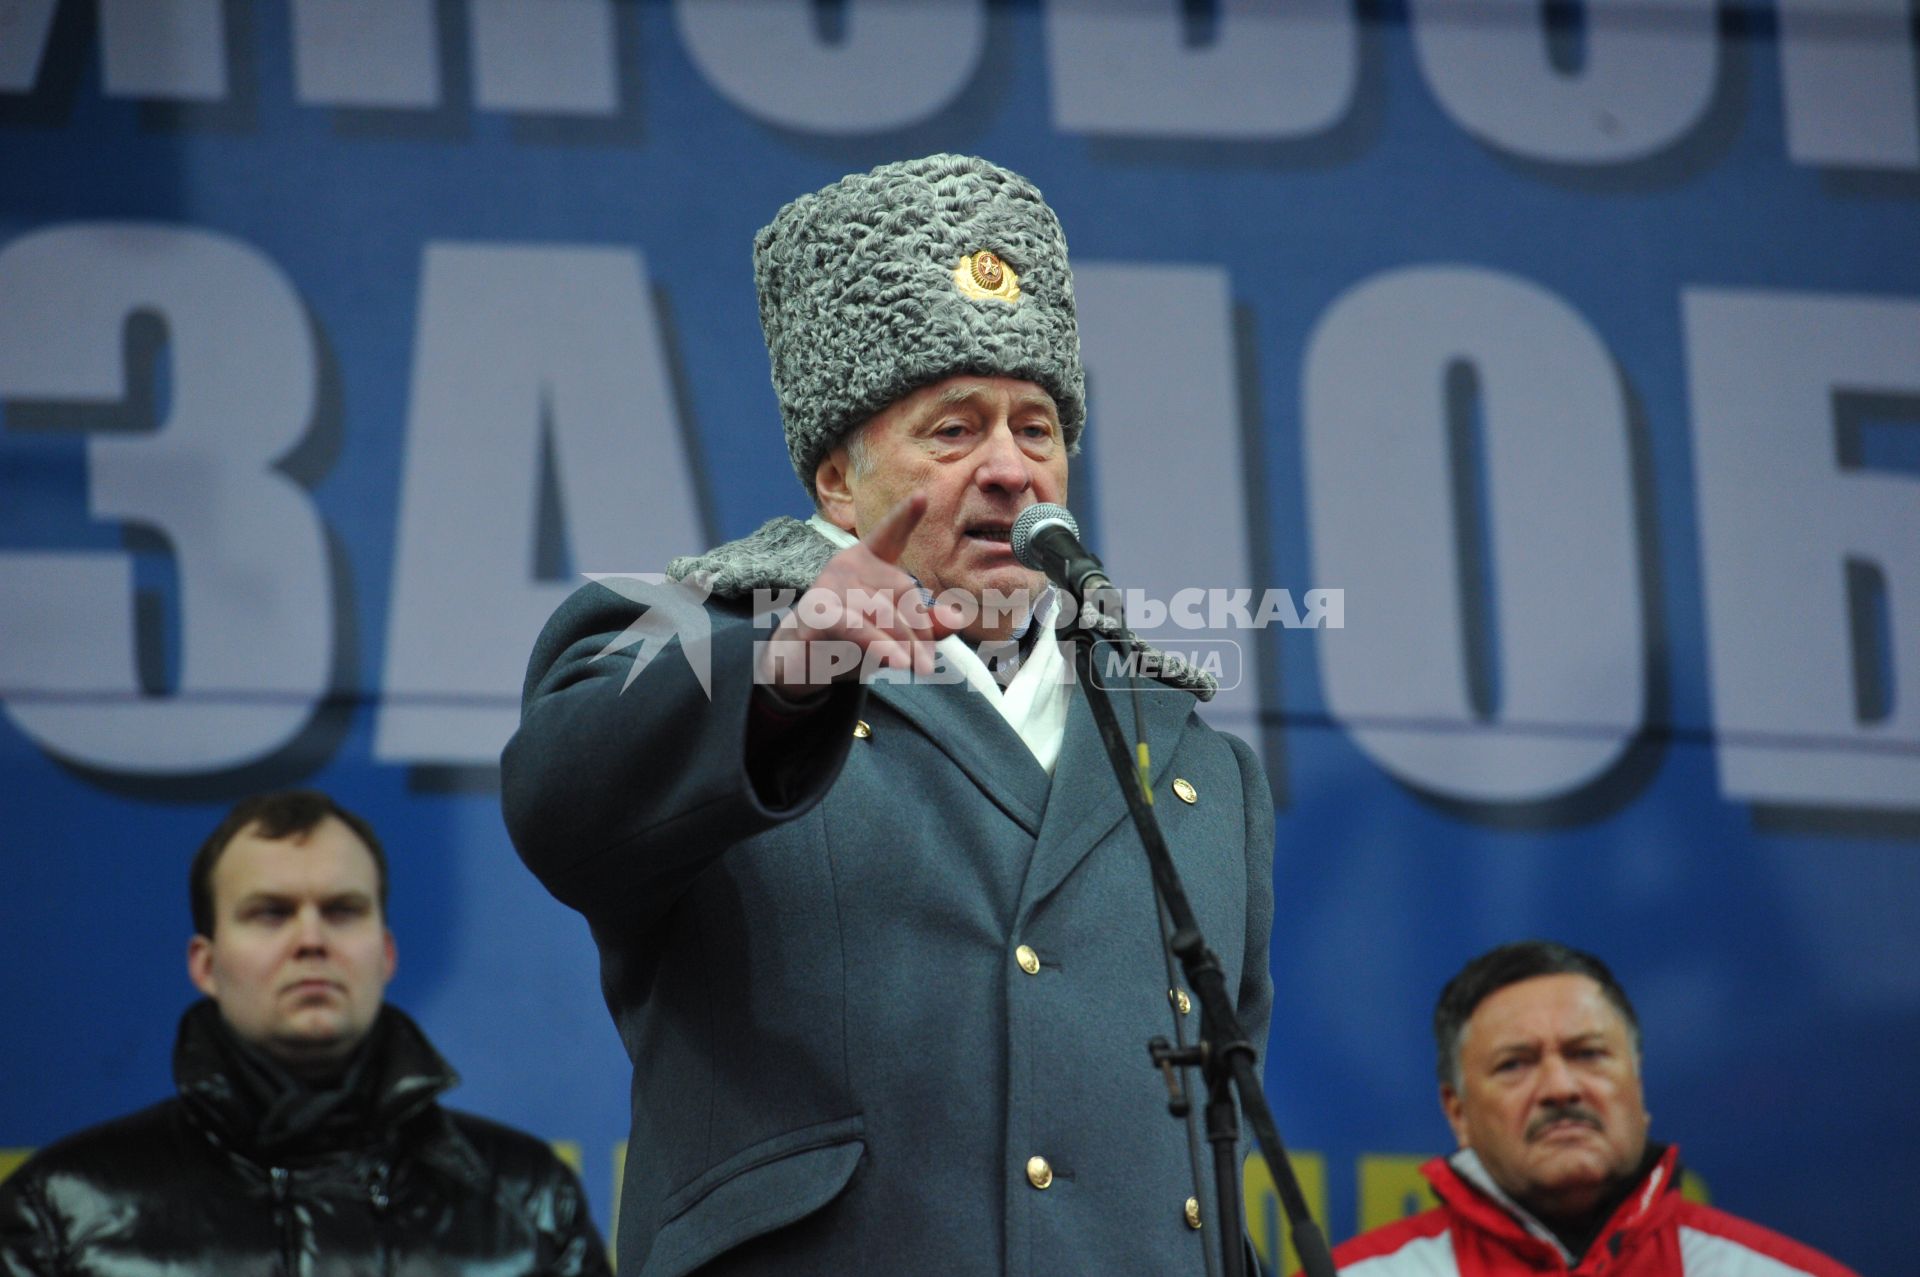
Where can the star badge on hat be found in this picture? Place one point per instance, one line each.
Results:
(984, 277)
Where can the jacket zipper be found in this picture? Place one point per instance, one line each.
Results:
(283, 1213)
(380, 1199)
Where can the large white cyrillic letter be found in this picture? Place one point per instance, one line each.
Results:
(24, 27)
(1848, 69)
(544, 56)
(1559, 518)
(172, 49)
(1779, 519)
(898, 64)
(1169, 455)
(256, 620)
(520, 350)
(1121, 67)
(366, 53)
(1646, 79)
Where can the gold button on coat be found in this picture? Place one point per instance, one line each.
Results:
(1029, 962)
(861, 731)
(1181, 1000)
(1039, 1174)
(1183, 790)
(1193, 1212)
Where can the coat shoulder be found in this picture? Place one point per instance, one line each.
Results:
(510, 1152)
(1417, 1244)
(137, 1142)
(1720, 1238)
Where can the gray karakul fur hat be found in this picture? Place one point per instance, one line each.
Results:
(891, 280)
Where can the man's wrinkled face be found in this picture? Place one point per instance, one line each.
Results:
(300, 956)
(1549, 1093)
(982, 449)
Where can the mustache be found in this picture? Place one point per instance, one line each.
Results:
(1575, 1112)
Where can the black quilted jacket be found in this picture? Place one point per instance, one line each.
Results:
(236, 1177)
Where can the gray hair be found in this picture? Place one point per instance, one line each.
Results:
(1510, 964)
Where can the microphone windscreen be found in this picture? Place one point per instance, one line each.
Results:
(1030, 523)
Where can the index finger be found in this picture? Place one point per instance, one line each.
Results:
(887, 539)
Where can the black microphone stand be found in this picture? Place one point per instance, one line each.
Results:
(1224, 1056)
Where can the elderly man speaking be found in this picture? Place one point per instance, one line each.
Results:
(884, 951)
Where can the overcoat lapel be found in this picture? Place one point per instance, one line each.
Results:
(1086, 803)
(978, 739)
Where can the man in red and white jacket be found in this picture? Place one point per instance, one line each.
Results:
(1540, 1080)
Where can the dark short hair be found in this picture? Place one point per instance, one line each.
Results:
(278, 815)
(1510, 964)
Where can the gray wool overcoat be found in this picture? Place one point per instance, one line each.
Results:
(841, 1062)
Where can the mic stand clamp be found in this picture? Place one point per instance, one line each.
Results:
(1170, 1059)
(1224, 1056)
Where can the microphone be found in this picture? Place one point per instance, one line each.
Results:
(1046, 538)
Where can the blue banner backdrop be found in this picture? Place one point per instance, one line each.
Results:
(1578, 344)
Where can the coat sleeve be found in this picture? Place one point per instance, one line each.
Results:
(1256, 972)
(570, 1237)
(630, 771)
(529, 1214)
(29, 1236)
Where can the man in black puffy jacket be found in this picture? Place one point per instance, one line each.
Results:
(306, 1137)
